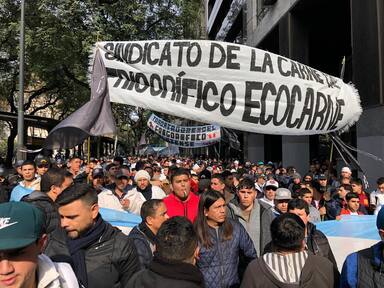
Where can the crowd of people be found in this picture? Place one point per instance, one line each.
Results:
(205, 223)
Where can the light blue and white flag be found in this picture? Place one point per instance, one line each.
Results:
(350, 234)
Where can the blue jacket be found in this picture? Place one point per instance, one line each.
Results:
(219, 264)
(364, 268)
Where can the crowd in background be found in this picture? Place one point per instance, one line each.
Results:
(231, 223)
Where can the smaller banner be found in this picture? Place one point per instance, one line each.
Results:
(184, 136)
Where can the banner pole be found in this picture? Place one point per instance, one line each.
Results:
(331, 152)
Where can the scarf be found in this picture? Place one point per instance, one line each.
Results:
(147, 192)
(147, 232)
(78, 246)
(176, 270)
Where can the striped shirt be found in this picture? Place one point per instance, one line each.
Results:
(286, 268)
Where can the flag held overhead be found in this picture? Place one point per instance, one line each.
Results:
(93, 119)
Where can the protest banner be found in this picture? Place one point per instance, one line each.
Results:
(234, 86)
(184, 136)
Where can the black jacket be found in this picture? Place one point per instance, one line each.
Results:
(45, 203)
(110, 262)
(143, 246)
(318, 243)
(163, 274)
(5, 191)
(52, 221)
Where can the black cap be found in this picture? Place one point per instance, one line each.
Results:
(109, 166)
(97, 172)
(322, 177)
(42, 161)
(19, 163)
(121, 175)
(75, 156)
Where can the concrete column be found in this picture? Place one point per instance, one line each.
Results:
(254, 145)
(296, 152)
(370, 138)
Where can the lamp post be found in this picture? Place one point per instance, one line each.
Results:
(20, 115)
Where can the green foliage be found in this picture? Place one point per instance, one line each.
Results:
(59, 35)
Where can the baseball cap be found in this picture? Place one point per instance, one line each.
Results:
(283, 194)
(380, 219)
(97, 172)
(109, 166)
(272, 183)
(42, 161)
(260, 176)
(19, 163)
(296, 176)
(346, 169)
(322, 177)
(121, 175)
(21, 224)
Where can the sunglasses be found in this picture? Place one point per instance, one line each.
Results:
(271, 188)
(43, 166)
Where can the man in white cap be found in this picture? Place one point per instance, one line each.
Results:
(346, 172)
(283, 195)
(281, 199)
(142, 180)
(346, 176)
(143, 191)
(270, 188)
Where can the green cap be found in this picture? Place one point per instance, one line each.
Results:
(20, 225)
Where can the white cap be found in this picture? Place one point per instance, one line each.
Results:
(346, 169)
(283, 194)
(195, 167)
(142, 174)
(272, 182)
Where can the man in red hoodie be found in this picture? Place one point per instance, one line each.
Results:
(181, 202)
(353, 204)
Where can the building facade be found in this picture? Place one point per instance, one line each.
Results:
(318, 33)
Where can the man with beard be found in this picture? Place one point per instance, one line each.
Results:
(102, 255)
(147, 190)
(144, 191)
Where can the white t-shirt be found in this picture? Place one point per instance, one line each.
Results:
(377, 199)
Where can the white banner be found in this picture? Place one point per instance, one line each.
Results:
(231, 85)
(184, 136)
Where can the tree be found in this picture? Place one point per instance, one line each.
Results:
(59, 35)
